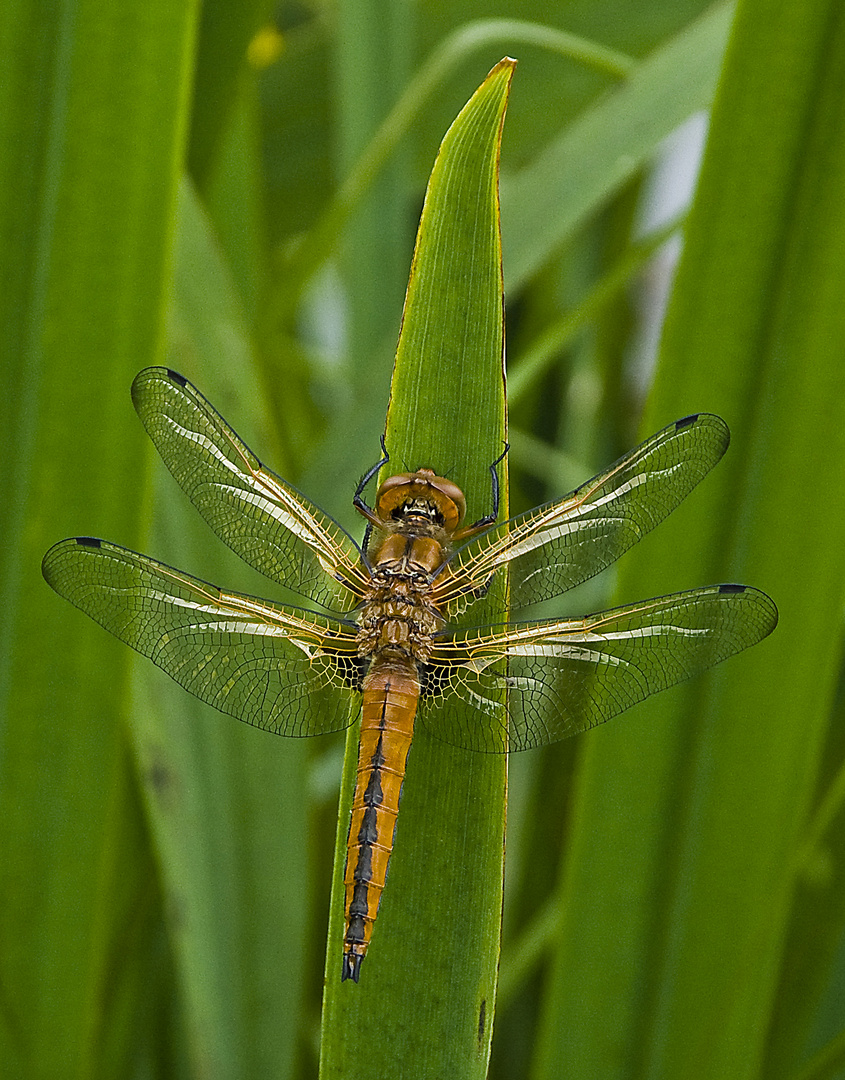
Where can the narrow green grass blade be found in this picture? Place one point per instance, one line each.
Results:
(223, 35)
(93, 105)
(234, 201)
(689, 817)
(425, 1002)
(373, 58)
(600, 151)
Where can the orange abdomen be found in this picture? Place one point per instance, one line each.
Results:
(390, 694)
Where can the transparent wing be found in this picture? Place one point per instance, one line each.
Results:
(268, 523)
(557, 546)
(280, 669)
(561, 678)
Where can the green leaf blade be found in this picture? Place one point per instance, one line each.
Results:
(427, 988)
(689, 817)
(93, 122)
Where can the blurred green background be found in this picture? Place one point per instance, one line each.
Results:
(212, 187)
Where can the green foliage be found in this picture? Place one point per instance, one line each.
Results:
(674, 881)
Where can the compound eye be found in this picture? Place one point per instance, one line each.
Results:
(422, 492)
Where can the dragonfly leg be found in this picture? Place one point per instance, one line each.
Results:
(358, 497)
(488, 519)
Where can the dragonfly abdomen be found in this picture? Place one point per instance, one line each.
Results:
(391, 691)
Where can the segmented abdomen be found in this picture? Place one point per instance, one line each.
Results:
(391, 691)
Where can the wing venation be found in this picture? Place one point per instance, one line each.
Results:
(268, 523)
(557, 546)
(281, 669)
(562, 678)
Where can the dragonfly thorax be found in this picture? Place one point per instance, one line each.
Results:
(398, 616)
(397, 627)
(409, 557)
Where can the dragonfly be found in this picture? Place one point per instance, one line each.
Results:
(379, 639)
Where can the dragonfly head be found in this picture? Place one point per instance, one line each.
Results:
(423, 495)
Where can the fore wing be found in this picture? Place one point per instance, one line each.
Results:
(561, 678)
(277, 668)
(268, 523)
(559, 545)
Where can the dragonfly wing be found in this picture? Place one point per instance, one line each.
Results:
(562, 678)
(277, 668)
(268, 523)
(557, 546)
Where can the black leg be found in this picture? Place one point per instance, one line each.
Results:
(490, 518)
(357, 500)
